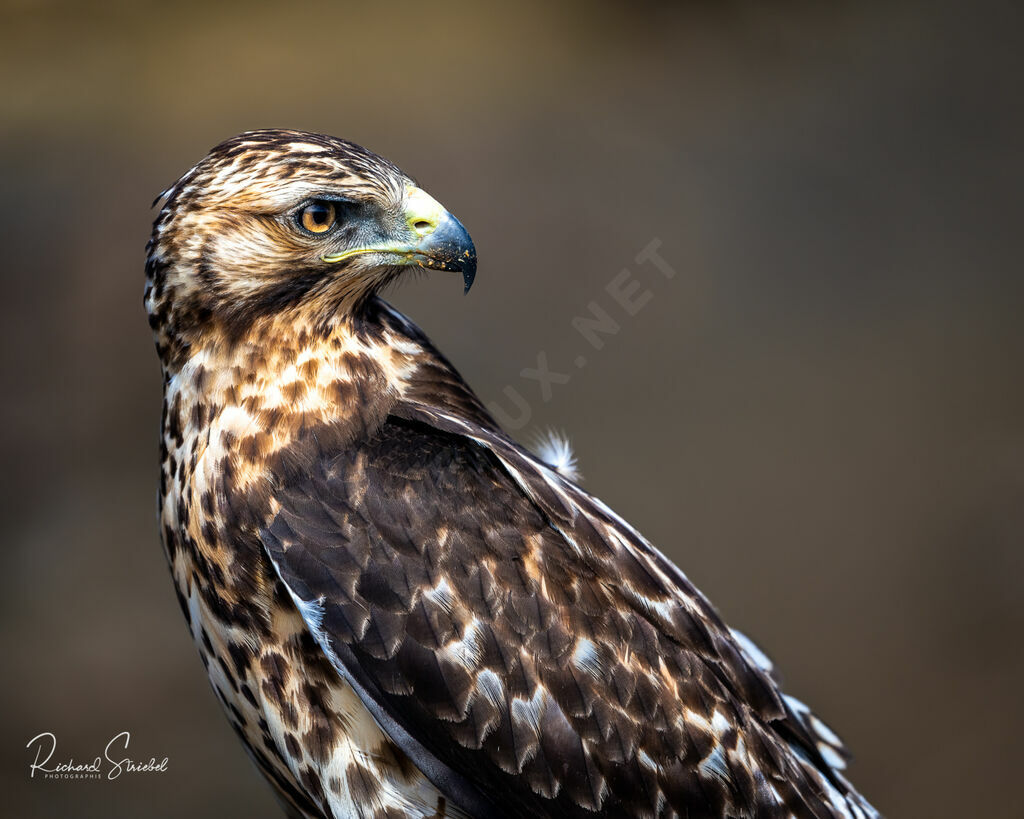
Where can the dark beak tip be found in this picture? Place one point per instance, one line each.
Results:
(464, 251)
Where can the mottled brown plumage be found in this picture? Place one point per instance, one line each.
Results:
(402, 611)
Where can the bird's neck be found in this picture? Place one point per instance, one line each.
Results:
(285, 375)
(288, 381)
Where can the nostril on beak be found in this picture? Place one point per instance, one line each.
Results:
(424, 227)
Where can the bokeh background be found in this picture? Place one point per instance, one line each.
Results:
(820, 417)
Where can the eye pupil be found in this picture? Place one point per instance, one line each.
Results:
(318, 217)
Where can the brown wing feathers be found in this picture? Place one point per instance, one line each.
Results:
(516, 640)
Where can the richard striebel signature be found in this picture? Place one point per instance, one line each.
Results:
(111, 762)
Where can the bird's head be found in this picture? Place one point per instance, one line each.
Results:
(272, 221)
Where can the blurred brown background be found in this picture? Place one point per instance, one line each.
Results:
(821, 417)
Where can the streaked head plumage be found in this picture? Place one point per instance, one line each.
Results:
(276, 220)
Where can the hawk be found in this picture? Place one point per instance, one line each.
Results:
(402, 611)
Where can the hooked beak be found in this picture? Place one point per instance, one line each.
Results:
(433, 239)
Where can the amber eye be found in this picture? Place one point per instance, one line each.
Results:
(318, 216)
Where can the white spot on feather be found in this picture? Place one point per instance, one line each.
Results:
(491, 686)
(585, 657)
(466, 652)
(694, 718)
(307, 147)
(831, 757)
(529, 711)
(312, 612)
(441, 594)
(714, 765)
(824, 731)
(554, 449)
(719, 723)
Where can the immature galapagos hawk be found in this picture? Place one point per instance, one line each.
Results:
(402, 611)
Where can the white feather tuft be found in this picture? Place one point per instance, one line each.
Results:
(554, 449)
